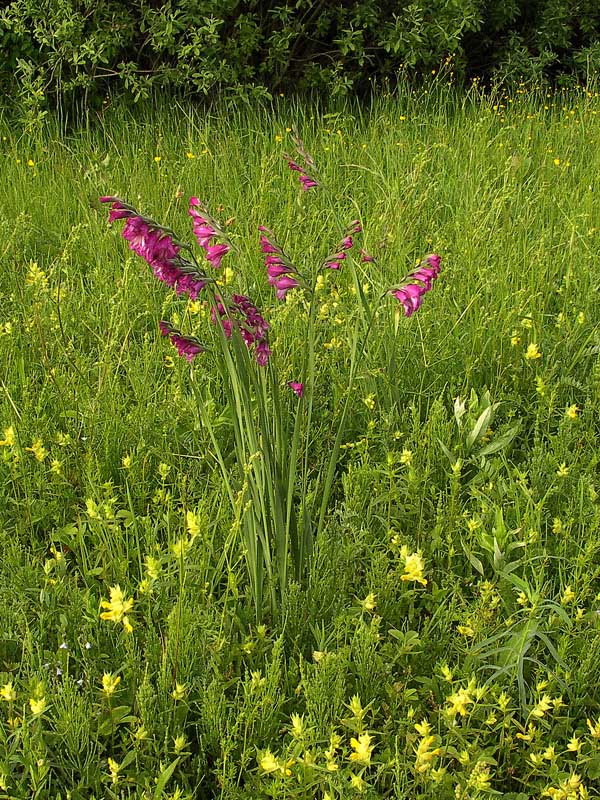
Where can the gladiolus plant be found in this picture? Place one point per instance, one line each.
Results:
(270, 490)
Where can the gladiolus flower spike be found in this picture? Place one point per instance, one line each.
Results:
(156, 245)
(206, 229)
(411, 294)
(281, 273)
(187, 346)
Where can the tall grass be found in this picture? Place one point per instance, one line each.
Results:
(110, 470)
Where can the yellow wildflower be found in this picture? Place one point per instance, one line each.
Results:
(459, 702)
(532, 352)
(38, 450)
(413, 566)
(117, 607)
(153, 567)
(572, 411)
(369, 603)
(425, 754)
(9, 437)
(114, 767)
(110, 683)
(193, 525)
(423, 728)
(563, 470)
(126, 461)
(179, 692)
(297, 729)
(568, 596)
(318, 655)
(465, 630)
(179, 743)
(369, 401)
(574, 744)
(37, 706)
(594, 728)
(8, 693)
(362, 748)
(357, 783)
(549, 753)
(356, 707)
(406, 457)
(180, 548)
(190, 155)
(269, 764)
(543, 705)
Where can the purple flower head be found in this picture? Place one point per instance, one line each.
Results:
(297, 388)
(187, 346)
(215, 254)
(334, 261)
(283, 286)
(355, 226)
(346, 243)
(262, 353)
(411, 295)
(294, 166)
(307, 182)
(365, 257)
(203, 229)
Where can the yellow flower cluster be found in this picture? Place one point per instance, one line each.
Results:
(414, 566)
(117, 608)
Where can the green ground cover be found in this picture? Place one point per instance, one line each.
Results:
(445, 641)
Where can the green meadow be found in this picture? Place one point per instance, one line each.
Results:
(440, 636)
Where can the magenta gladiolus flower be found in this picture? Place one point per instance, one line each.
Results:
(365, 257)
(346, 243)
(281, 273)
(187, 346)
(334, 261)
(411, 295)
(242, 314)
(307, 182)
(215, 254)
(297, 388)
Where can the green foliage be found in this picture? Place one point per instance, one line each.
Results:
(74, 51)
(451, 614)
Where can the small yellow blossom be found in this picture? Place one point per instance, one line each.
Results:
(532, 352)
(594, 728)
(38, 450)
(117, 607)
(515, 339)
(9, 437)
(425, 754)
(356, 707)
(269, 764)
(126, 461)
(568, 596)
(574, 744)
(549, 753)
(563, 470)
(357, 783)
(179, 743)
(190, 155)
(465, 630)
(369, 401)
(30, 162)
(543, 705)
(362, 748)
(157, 159)
(446, 673)
(179, 692)
(110, 683)
(406, 457)
(413, 566)
(180, 548)
(459, 701)
(556, 162)
(423, 728)
(114, 768)
(529, 735)
(572, 412)
(193, 526)
(369, 603)
(153, 567)
(318, 655)
(37, 706)
(56, 467)
(8, 693)
(297, 729)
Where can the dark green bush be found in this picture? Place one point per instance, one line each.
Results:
(83, 48)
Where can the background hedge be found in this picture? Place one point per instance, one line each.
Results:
(61, 48)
